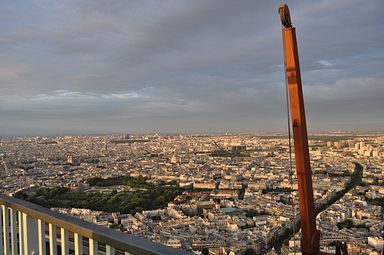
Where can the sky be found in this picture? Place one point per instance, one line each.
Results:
(181, 66)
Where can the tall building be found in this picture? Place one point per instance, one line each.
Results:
(69, 159)
(174, 159)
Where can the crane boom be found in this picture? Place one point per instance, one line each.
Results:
(310, 238)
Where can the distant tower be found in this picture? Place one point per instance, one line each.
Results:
(69, 159)
(4, 165)
(174, 159)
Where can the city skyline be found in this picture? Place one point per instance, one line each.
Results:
(232, 192)
(185, 66)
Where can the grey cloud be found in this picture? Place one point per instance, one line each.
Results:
(168, 66)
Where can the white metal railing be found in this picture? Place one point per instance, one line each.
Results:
(28, 229)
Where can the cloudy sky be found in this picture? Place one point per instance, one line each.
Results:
(120, 66)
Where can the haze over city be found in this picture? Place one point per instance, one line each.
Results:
(185, 66)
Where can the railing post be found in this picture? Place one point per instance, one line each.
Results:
(78, 244)
(30, 234)
(14, 231)
(42, 240)
(6, 244)
(21, 239)
(52, 239)
(109, 250)
(93, 247)
(1, 234)
(64, 242)
(25, 234)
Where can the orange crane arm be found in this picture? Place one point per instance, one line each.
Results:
(310, 238)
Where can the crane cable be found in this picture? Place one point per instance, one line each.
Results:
(289, 146)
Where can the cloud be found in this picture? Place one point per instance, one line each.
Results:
(324, 63)
(352, 89)
(183, 65)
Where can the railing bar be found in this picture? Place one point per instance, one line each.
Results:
(52, 239)
(6, 244)
(93, 247)
(118, 240)
(26, 243)
(64, 242)
(13, 218)
(41, 234)
(1, 234)
(20, 234)
(109, 250)
(78, 239)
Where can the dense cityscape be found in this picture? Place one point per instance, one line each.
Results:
(222, 194)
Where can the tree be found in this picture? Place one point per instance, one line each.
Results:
(250, 251)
